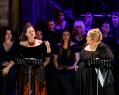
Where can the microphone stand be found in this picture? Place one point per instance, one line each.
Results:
(98, 64)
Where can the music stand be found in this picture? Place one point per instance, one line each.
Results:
(30, 63)
(98, 64)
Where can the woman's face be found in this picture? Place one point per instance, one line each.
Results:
(66, 36)
(78, 28)
(30, 33)
(90, 40)
(8, 35)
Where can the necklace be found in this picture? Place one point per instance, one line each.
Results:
(94, 46)
(31, 43)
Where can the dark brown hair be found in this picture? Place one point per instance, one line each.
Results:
(4, 30)
(23, 37)
(62, 43)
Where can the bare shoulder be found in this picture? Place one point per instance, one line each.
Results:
(23, 43)
(38, 42)
(87, 48)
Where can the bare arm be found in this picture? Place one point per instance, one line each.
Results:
(47, 59)
(55, 61)
(47, 44)
(77, 57)
(7, 68)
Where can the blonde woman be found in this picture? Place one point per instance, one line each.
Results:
(79, 33)
(86, 77)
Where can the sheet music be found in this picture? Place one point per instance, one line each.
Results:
(100, 77)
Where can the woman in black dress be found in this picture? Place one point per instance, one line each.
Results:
(32, 48)
(66, 56)
(8, 51)
(86, 78)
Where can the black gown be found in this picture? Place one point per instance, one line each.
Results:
(86, 78)
(8, 82)
(38, 86)
(64, 82)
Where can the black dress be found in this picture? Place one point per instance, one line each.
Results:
(86, 77)
(7, 83)
(37, 72)
(64, 82)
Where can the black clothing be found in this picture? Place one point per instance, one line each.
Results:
(80, 43)
(37, 72)
(115, 33)
(63, 84)
(66, 56)
(52, 37)
(86, 77)
(8, 82)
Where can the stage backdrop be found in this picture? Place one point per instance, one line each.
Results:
(35, 10)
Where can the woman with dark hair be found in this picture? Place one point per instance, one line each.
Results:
(61, 24)
(66, 56)
(8, 52)
(86, 77)
(33, 48)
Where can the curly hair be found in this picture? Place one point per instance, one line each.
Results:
(95, 34)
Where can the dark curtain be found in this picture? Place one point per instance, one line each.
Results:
(35, 10)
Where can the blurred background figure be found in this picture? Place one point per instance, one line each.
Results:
(66, 56)
(39, 34)
(8, 70)
(79, 34)
(89, 21)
